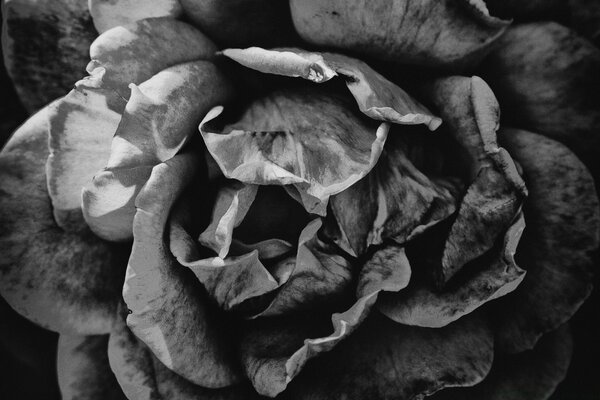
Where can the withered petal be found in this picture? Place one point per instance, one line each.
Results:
(107, 14)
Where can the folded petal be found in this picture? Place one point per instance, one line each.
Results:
(83, 369)
(432, 33)
(495, 275)
(45, 47)
(67, 282)
(563, 230)
(496, 193)
(545, 77)
(376, 97)
(169, 311)
(107, 14)
(306, 138)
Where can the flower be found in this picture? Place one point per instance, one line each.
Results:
(237, 219)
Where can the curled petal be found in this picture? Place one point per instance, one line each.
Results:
(67, 282)
(436, 33)
(496, 275)
(45, 47)
(83, 369)
(169, 312)
(563, 230)
(545, 77)
(376, 97)
(110, 13)
(308, 139)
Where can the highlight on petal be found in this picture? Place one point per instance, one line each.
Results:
(531, 375)
(494, 275)
(110, 13)
(83, 369)
(66, 282)
(434, 33)
(545, 77)
(159, 119)
(496, 192)
(563, 230)
(383, 359)
(376, 97)
(45, 47)
(169, 311)
(308, 139)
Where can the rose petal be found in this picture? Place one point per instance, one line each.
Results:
(385, 360)
(563, 229)
(62, 281)
(376, 97)
(305, 138)
(110, 13)
(168, 312)
(432, 33)
(45, 47)
(242, 22)
(496, 275)
(545, 77)
(533, 375)
(497, 191)
(83, 369)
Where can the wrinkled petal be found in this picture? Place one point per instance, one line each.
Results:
(242, 22)
(110, 13)
(45, 47)
(532, 375)
(159, 119)
(496, 275)
(436, 33)
(563, 230)
(305, 138)
(169, 312)
(496, 193)
(376, 97)
(546, 79)
(63, 281)
(386, 360)
(83, 369)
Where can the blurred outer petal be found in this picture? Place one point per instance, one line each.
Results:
(161, 115)
(376, 97)
(439, 33)
(496, 275)
(532, 375)
(168, 310)
(394, 201)
(62, 281)
(45, 47)
(563, 229)
(242, 22)
(110, 13)
(305, 138)
(386, 360)
(546, 78)
(270, 373)
(497, 191)
(83, 369)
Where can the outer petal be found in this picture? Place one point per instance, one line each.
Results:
(563, 229)
(305, 138)
(169, 312)
(83, 370)
(429, 32)
(45, 47)
(110, 13)
(545, 77)
(376, 97)
(62, 281)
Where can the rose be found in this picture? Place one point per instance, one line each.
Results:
(172, 316)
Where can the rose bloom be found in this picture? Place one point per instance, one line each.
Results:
(313, 199)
